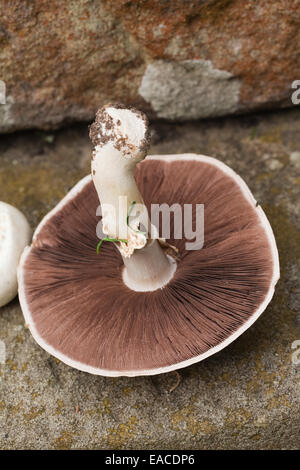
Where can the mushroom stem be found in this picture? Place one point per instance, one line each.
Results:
(148, 269)
(121, 139)
(116, 187)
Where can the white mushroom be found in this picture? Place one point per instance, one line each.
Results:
(14, 236)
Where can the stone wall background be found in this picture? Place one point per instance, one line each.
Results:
(175, 59)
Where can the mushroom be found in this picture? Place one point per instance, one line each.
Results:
(14, 236)
(135, 308)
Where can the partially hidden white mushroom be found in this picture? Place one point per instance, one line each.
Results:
(14, 236)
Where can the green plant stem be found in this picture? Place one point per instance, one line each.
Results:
(108, 239)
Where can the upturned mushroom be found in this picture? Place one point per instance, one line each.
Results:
(141, 305)
(14, 236)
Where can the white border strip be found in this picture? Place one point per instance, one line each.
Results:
(132, 373)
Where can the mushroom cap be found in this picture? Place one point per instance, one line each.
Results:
(79, 309)
(14, 236)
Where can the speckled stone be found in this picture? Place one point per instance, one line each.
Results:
(174, 59)
(245, 397)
